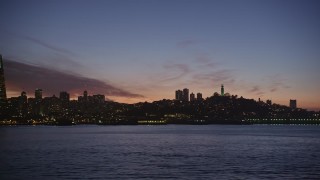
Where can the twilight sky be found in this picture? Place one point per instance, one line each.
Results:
(144, 50)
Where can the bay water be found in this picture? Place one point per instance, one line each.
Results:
(160, 152)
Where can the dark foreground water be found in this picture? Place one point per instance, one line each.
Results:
(160, 152)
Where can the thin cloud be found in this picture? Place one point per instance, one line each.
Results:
(256, 90)
(203, 58)
(182, 67)
(205, 61)
(218, 76)
(273, 89)
(278, 82)
(25, 77)
(49, 46)
(42, 43)
(60, 58)
(182, 70)
(61, 62)
(186, 43)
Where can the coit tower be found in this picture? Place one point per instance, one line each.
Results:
(222, 90)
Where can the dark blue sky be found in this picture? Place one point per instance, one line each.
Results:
(257, 48)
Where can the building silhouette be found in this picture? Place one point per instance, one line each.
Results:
(23, 104)
(38, 94)
(269, 102)
(185, 94)
(293, 103)
(37, 106)
(192, 97)
(222, 90)
(199, 96)
(179, 95)
(64, 96)
(98, 98)
(3, 93)
(182, 95)
(85, 95)
(84, 98)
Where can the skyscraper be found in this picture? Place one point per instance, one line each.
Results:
(185, 94)
(38, 105)
(293, 103)
(23, 104)
(98, 98)
(178, 95)
(182, 95)
(85, 95)
(222, 90)
(192, 97)
(199, 96)
(3, 94)
(64, 96)
(38, 94)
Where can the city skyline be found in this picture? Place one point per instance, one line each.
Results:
(180, 95)
(136, 51)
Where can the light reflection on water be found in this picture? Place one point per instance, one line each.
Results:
(160, 152)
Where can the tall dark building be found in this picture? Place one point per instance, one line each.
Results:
(192, 97)
(222, 90)
(23, 98)
(3, 93)
(182, 95)
(185, 94)
(98, 98)
(38, 105)
(179, 95)
(23, 104)
(38, 94)
(85, 95)
(199, 96)
(64, 96)
(293, 103)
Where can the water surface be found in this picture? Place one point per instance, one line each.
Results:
(160, 152)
